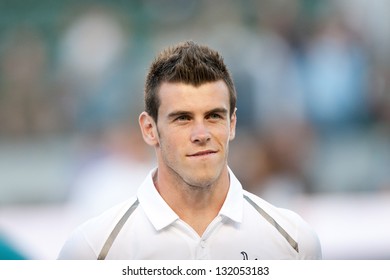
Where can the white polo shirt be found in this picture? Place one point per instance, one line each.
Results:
(145, 227)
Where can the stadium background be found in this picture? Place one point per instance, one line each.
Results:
(313, 82)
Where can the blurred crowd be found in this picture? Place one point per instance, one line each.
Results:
(312, 76)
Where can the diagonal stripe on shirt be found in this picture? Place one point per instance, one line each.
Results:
(266, 216)
(111, 238)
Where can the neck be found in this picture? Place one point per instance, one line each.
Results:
(197, 206)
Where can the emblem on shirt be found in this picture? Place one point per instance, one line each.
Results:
(245, 255)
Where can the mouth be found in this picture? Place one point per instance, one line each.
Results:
(202, 153)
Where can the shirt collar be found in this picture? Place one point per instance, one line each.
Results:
(233, 206)
(156, 209)
(161, 215)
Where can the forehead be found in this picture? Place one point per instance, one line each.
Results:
(181, 96)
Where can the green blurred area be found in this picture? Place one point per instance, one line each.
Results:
(48, 98)
(313, 84)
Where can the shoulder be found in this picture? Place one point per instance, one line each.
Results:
(290, 225)
(86, 241)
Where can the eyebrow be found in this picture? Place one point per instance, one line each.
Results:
(220, 110)
(175, 114)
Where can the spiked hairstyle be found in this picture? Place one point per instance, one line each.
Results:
(188, 63)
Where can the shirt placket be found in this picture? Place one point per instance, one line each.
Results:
(202, 250)
(203, 246)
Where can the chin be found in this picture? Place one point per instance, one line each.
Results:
(204, 181)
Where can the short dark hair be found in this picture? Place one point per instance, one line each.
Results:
(189, 63)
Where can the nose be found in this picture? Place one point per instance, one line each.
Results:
(200, 133)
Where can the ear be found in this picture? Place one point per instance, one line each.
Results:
(233, 122)
(148, 129)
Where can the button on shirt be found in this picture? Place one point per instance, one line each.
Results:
(247, 227)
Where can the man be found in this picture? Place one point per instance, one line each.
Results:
(192, 206)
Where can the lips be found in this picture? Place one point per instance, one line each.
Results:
(202, 153)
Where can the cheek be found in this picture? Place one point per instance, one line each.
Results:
(170, 143)
(226, 134)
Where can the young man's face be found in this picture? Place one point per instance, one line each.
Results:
(194, 129)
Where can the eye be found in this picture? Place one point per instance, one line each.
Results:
(214, 116)
(183, 118)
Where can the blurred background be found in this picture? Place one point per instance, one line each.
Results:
(313, 83)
